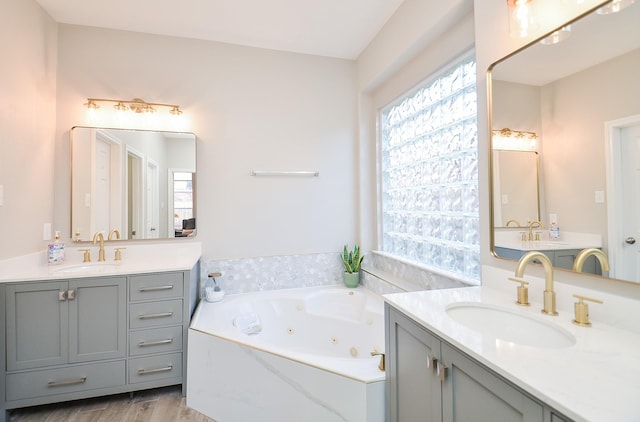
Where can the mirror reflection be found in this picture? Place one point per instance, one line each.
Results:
(140, 183)
(515, 179)
(580, 96)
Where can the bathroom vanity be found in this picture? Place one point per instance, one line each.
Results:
(86, 330)
(453, 355)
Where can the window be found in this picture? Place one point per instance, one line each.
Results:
(182, 198)
(429, 164)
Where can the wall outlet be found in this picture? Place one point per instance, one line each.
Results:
(599, 197)
(46, 231)
(553, 219)
(505, 199)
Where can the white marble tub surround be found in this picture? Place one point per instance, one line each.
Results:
(596, 379)
(311, 356)
(511, 239)
(136, 259)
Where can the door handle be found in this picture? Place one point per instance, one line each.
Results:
(630, 240)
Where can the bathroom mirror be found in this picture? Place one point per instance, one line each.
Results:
(515, 187)
(140, 183)
(578, 96)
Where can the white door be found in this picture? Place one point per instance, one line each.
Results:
(630, 147)
(102, 188)
(623, 182)
(153, 201)
(135, 192)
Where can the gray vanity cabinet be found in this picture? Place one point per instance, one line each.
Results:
(429, 380)
(60, 322)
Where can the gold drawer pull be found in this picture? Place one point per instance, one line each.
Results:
(155, 343)
(160, 315)
(51, 384)
(153, 371)
(155, 288)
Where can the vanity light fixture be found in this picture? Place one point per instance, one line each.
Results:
(557, 36)
(514, 140)
(614, 7)
(136, 105)
(522, 18)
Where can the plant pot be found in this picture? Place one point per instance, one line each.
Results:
(351, 279)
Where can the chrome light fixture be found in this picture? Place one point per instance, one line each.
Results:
(514, 140)
(136, 105)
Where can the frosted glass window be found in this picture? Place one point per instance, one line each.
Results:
(429, 163)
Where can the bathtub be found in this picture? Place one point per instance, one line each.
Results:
(288, 355)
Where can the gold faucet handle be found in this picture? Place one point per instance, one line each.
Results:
(86, 257)
(381, 365)
(582, 310)
(523, 292)
(118, 254)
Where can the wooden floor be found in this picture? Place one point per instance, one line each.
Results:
(157, 405)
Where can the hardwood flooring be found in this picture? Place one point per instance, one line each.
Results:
(157, 405)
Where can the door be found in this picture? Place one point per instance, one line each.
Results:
(37, 330)
(97, 318)
(623, 183)
(471, 393)
(415, 391)
(134, 194)
(153, 200)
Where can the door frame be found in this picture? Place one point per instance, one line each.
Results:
(613, 159)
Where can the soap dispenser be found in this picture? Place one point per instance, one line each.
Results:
(211, 291)
(56, 250)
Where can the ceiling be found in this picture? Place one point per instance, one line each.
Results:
(333, 28)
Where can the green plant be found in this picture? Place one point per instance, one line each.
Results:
(352, 259)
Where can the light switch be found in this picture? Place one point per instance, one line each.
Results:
(1, 195)
(505, 199)
(46, 231)
(599, 196)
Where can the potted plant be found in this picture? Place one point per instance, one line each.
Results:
(351, 260)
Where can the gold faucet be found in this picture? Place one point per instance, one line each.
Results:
(549, 294)
(533, 224)
(114, 232)
(96, 237)
(586, 253)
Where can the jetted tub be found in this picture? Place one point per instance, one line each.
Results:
(288, 355)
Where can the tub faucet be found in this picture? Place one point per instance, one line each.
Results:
(99, 236)
(549, 294)
(115, 233)
(586, 253)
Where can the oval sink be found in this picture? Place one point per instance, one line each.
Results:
(87, 268)
(506, 325)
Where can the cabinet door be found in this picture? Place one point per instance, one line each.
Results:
(37, 330)
(471, 393)
(414, 391)
(97, 318)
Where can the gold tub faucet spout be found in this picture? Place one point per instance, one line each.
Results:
(114, 232)
(586, 253)
(99, 236)
(549, 294)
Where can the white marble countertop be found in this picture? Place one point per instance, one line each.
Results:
(511, 239)
(596, 379)
(136, 259)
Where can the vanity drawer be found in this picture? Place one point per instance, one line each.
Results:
(155, 314)
(155, 368)
(156, 340)
(155, 286)
(65, 380)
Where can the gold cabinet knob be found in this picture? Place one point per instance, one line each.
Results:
(582, 310)
(523, 292)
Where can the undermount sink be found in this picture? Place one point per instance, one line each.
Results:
(87, 268)
(506, 325)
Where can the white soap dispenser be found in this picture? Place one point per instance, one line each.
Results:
(211, 291)
(56, 250)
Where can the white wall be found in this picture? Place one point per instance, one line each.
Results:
(27, 122)
(251, 109)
